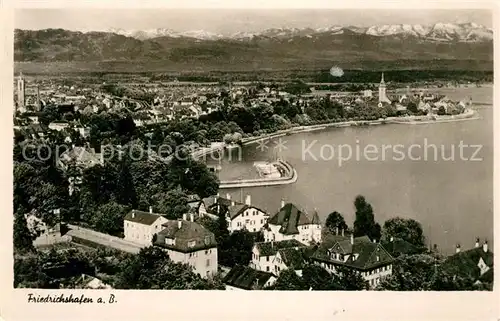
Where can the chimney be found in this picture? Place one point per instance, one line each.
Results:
(248, 200)
(191, 216)
(352, 239)
(228, 196)
(378, 258)
(272, 244)
(133, 214)
(232, 203)
(282, 203)
(374, 241)
(151, 209)
(218, 194)
(457, 250)
(477, 242)
(179, 224)
(342, 232)
(184, 217)
(485, 246)
(336, 230)
(392, 238)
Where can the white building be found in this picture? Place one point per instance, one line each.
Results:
(190, 243)
(368, 258)
(291, 223)
(139, 227)
(269, 257)
(245, 216)
(240, 215)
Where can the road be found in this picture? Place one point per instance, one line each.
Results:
(103, 239)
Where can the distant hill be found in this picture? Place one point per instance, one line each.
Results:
(345, 47)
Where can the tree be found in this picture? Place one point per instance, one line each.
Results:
(152, 269)
(364, 223)
(23, 240)
(412, 107)
(317, 278)
(335, 222)
(441, 111)
(407, 229)
(349, 279)
(288, 280)
(109, 218)
(125, 189)
(236, 249)
(411, 273)
(221, 230)
(173, 204)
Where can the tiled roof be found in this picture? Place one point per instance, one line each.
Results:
(189, 238)
(271, 248)
(398, 247)
(237, 209)
(466, 262)
(315, 219)
(293, 258)
(141, 217)
(289, 218)
(234, 210)
(366, 250)
(244, 277)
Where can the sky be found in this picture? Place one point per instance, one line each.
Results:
(226, 21)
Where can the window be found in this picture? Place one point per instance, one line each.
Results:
(206, 252)
(191, 243)
(207, 240)
(208, 262)
(267, 258)
(267, 268)
(254, 212)
(261, 221)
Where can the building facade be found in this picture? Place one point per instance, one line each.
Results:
(188, 242)
(139, 227)
(368, 258)
(266, 256)
(291, 223)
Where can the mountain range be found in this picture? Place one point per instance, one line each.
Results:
(278, 48)
(436, 32)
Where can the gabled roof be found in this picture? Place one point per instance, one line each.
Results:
(190, 237)
(398, 247)
(237, 209)
(271, 248)
(293, 258)
(366, 251)
(141, 217)
(244, 277)
(290, 217)
(465, 263)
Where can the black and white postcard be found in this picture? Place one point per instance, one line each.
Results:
(229, 162)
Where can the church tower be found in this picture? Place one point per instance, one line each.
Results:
(20, 91)
(382, 97)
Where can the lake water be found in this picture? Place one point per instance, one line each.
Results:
(452, 199)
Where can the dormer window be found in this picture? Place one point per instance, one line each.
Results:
(207, 240)
(191, 244)
(169, 241)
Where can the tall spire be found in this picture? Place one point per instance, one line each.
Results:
(382, 80)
